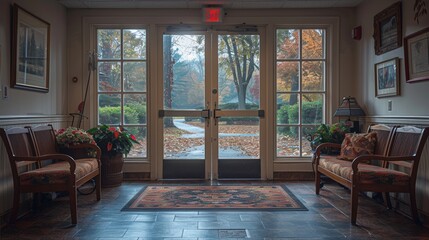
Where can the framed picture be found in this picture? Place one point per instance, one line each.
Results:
(416, 52)
(387, 78)
(388, 29)
(30, 51)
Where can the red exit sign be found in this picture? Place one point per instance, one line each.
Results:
(212, 14)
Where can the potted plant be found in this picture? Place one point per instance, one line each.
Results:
(334, 133)
(69, 137)
(114, 142)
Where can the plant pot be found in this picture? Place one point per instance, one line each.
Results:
(111, 170)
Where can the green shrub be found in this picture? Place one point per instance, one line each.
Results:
(312, 113)
(282, 118)
(140, 111)
(109, 115)
(235, 106)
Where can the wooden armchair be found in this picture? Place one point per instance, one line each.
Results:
(392, 167)
(37, 166)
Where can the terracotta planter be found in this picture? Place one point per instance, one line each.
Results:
(111, 170)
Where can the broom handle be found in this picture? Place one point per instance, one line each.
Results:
(91, 67)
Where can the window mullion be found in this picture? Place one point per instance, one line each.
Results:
(122, 122)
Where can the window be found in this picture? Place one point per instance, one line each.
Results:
(300, 88)
(121, 83)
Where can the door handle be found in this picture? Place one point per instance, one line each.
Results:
(205, 113)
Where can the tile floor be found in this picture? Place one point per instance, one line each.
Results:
(327, 218)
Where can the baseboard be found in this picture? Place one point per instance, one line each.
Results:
(294, 176)
(136, 176)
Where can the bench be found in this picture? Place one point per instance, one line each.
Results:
(38, 166)
(392, 167)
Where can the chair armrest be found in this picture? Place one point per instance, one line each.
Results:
(326, 145)
(364, 158)
(316, 154)
(61, 157)
(87, 145)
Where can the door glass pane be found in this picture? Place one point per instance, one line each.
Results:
(288, 141)
(313, 73)
(184, 71)
(313, 43)
(109, 76)
(109, 109)
(312, 108)
(138, 150)
(134, 76)
(135, 109)
(239, 137)
(287, 76)
(288, 108)
(184, 138)
(306, 138)
(134, 43)
(109, 43)
(288, 43)
(238, 71)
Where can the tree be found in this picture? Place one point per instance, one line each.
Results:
(288, 67)
(168, 77)
(239, 55)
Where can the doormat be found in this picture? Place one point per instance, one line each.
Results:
(222, 197)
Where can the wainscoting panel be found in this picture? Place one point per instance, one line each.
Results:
(6, 181)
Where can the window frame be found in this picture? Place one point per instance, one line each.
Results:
(121, 90)
(327, 79)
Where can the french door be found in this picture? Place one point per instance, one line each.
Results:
(211, 115)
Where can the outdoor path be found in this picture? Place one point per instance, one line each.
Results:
(197, 152)
(198, 132)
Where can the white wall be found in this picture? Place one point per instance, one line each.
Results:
(23, 107)
(24, 102)
(411, 106)
(413, 98)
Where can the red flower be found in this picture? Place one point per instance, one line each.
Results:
(133, 137)
(113, 129)
(109, 146)
(116, 134)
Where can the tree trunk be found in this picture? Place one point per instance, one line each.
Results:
(294, 96)
(168, 78)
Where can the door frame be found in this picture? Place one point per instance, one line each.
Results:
(211, 74)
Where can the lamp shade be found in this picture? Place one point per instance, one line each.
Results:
(349, 107)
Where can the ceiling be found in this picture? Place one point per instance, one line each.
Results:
(228, 4)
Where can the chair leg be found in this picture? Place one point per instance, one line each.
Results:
(15, 207)
(386, 200)
(73, 205)
(413, 206)
(98, 186)
(354, 207)
(317, 182)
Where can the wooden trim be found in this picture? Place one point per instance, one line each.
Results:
(14, 120)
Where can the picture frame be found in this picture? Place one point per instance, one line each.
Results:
(416, 52)
(387, 78)
(388, 29)
(29, 51)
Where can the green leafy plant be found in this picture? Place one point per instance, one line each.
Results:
(334, 133)
(113, 140)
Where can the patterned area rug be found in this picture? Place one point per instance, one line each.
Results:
(223, 197)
